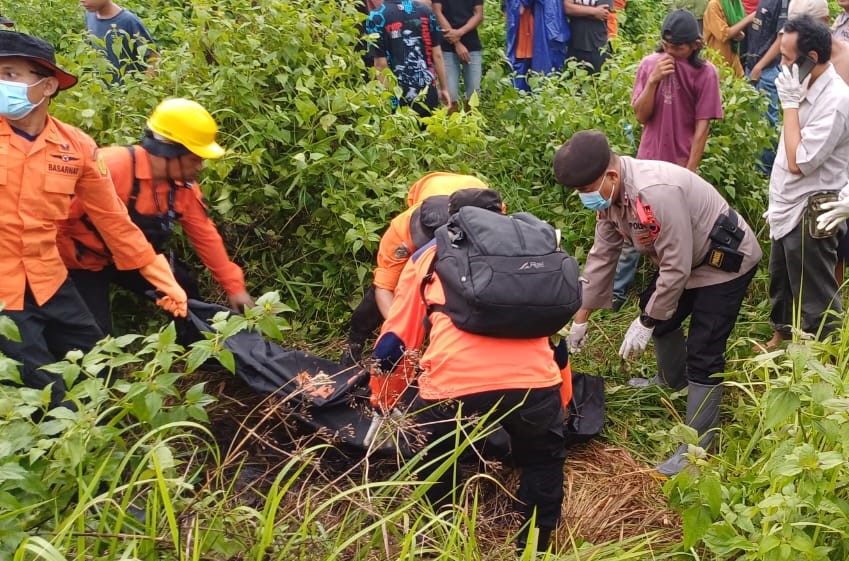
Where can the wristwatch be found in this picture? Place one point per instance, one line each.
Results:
(647, 320)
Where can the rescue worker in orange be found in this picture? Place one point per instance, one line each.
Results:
(407, 232)
(157, 182)
(466, 374)
(46, 163)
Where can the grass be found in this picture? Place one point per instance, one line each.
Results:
(250, 484)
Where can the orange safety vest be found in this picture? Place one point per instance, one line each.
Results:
(457, 363)
(81, 247)
(38, 181)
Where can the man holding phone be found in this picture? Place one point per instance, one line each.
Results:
(810, 166)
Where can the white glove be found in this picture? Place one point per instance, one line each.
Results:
(838, 211)
(577, 337)
(636, 340)
(790, 91)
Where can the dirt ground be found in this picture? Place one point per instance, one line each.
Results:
(609, 496)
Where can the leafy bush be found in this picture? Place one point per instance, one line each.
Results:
(58, 465)
(317, 164)
(779, 490)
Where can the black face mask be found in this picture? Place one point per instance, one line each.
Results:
(168, 150)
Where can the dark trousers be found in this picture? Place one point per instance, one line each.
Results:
(365, 319)
(534, 421)
(713, 312)
(423, 105)
(801, 276)
(594, 58)
(93, 287)
(61, 324)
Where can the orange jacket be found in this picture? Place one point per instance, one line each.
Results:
(37, 183)
(397, 245)
(81, 248)
(456, 363)
(612, 21)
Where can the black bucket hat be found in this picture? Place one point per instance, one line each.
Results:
(13, 43)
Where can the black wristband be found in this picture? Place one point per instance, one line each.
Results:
(647, 320)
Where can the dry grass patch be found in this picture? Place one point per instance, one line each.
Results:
(610, 497)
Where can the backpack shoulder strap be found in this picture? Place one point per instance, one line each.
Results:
(136, 185)
(426, 280)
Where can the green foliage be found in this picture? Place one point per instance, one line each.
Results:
(779, 490)
(641, 21)
(125, 455)
(316, 167)
(317, 164)
(59, 464)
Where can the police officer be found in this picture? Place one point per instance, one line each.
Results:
(44, 165)
(157, 180)
(705, 252)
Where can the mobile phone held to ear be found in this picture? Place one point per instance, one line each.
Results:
(805, 64)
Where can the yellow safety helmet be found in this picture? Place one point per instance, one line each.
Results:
(187, 123)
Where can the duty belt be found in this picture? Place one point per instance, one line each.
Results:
(725, 237)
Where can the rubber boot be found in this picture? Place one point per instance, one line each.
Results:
(671, 354)
(703, 415)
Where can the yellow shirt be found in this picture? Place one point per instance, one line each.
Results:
(716, 36)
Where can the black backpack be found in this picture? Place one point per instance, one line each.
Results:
(503, 275)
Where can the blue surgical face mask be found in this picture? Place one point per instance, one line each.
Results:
(594, 201)
(14, 101)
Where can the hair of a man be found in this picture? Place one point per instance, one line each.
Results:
(811, 35)
(695, 59)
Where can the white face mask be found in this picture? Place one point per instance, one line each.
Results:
(14, 101)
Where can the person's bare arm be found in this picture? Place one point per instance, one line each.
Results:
(792, 138)
(384, 298)
(697, 149)
(443, 22)
(582, 315)
(439, 66)
(770, 55)
(471, 25)
(381, 64)
(577, 10)
(735, 30)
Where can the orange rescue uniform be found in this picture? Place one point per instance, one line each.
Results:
(612, 20)
(397, 245)
(38, 181)
(456, 363)
(81, 248)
